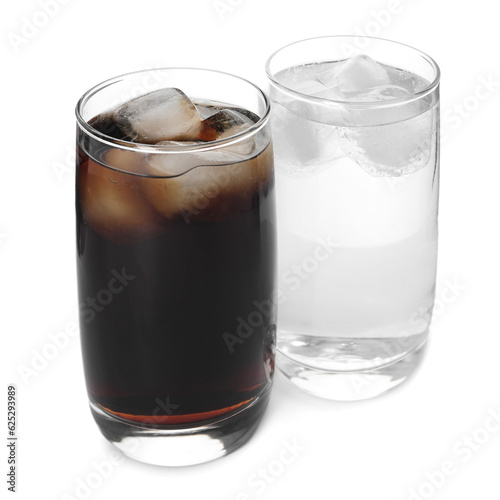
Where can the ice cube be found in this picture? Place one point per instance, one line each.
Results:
(105, 124)
(206, 111)
(170, 164)
(162, 115)
(124, 160)
(355, 75)
(303, 146)
(112, 202)
(208, 186)
(227, 123)
(223, 124)
(402, 144)
(392, 149)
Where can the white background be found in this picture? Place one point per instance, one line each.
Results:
(379, 449)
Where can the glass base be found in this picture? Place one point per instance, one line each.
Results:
(350, 385)
(181, 446)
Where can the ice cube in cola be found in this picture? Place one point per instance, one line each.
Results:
(166, 114)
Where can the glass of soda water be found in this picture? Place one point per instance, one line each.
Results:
(356, 135)
(176, 244)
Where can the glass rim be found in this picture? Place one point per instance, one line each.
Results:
(431, 87)
(178, 147)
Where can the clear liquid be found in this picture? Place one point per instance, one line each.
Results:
(357, 240)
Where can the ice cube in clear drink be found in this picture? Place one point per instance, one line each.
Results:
(304, 146)
(356, 75)
(401, 144)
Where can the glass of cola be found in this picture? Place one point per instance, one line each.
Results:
(176, 261)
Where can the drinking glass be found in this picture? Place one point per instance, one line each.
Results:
(355, 126)
(176, 263)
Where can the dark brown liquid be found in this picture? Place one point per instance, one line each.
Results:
(176, 319)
